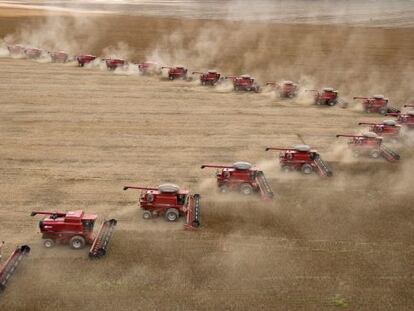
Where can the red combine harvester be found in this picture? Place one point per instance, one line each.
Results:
(171, 201)
(302, 158)
(9, 267)
(387, 128)
(33, 53)
(177, 72)
(244, 83)
(406, 118)
(149, 68)
(59, 57)
(75, 228)
(328, 96)
(114, 63)
(370, 144)
(286, 89)
(85, 59)
(377, 104)
(210, 77)
(16, 50)
(242, 177)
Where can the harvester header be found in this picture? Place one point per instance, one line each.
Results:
(9, 267)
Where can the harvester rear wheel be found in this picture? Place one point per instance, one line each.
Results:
(77, 242)
(171, 214)
(306, 169)
(147, 215)
(246, 189)
(48, 243)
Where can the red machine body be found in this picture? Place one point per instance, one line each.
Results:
(242, 177)
(406, 118)
(244, 83)
(286, 89)
(387, 128)
(8, 268)
(149, 68)
(59, 57)
(377, 104)
(33, 53)
(114, 63)
(85, 59)
(170, 201)
(75, 228)
(370, 144)
(328, 96)
(16, 50)
(210, 77)
(177, 72)
(302, 158)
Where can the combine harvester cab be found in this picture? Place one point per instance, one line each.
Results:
(242, 177)
(387, 128)
(10, 265)
(76, 229)
(244, 83)
(328, 96)
(406, 118)
(211, 77)
(170, 201)
(377, 104)
(286, 89)
(177, 72)
(59, 57)
(302, 158)
(85, 59)
(370, 144)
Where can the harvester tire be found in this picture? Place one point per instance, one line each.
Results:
(48, 243)
(285, 169)
(246, 189)
(332, 103)
(147, 215)
(223, 189)
(77, 242)
(355, 154)
(172, 215)
(383, 111)
(375, 154)
(306, 169)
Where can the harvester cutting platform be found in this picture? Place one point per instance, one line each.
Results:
(75, 228)
(370, 144)
(171, 201)
(242, 177)
(405, 118)
(244, 83)
(286, 89)
(10, 265)
(387, 128)
(210, 77)
(328, 96)
(177, 72)
(302, 158)
(377, 104)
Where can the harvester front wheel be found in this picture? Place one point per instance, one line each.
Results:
(382, 111)
(223, 189)
(77, 242)
(246, 189)
(48, 243)
(147, 215)
(307, 169)
(171, 215)
(285, 169)
(375, 154)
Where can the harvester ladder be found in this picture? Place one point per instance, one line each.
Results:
(100, 244)
(323, 166)
(11, 265)
(389, 154)
(264, 185)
